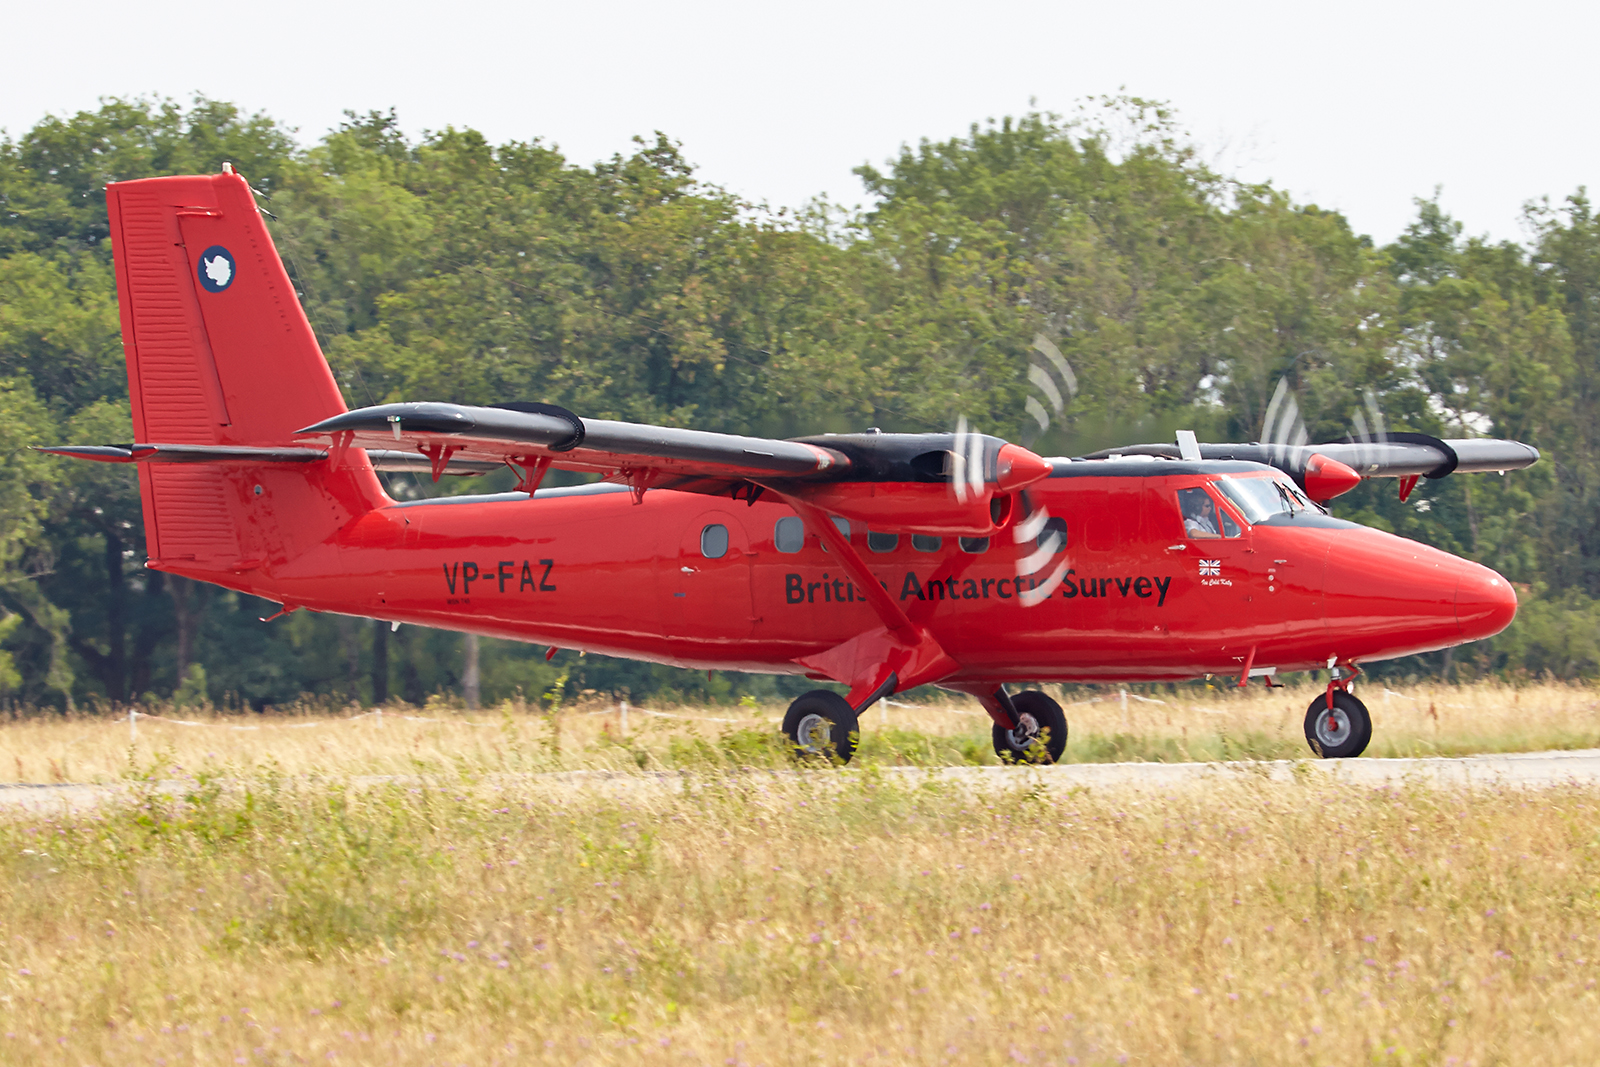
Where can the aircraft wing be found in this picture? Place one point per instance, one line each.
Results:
(1395, 455)
(1399, 455)
(946, 484)
(529, 434)
(1406, 456)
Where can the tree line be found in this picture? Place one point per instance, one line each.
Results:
(446, 267)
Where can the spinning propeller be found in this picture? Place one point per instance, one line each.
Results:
(1326, 470)
(1051, 377)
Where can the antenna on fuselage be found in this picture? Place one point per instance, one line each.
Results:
(1188, 447)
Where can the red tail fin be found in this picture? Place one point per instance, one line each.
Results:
(220, 353)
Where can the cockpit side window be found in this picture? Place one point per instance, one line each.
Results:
(1199, 513)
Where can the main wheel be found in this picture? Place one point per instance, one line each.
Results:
(1339, 732)
(1041, 733)
(822, 724)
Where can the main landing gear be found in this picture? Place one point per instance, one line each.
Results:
(1337, 725)
(822, 724)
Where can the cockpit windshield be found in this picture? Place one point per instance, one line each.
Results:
(1262, 498)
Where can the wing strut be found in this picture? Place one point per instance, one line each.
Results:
(876, 663)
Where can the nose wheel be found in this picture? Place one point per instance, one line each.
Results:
(1041, 732)
(1339, 732)
(822, 725)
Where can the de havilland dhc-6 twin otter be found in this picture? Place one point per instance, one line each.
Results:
(878, 561)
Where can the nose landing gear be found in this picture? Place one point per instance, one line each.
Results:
(1338, 725)
(1040, 735)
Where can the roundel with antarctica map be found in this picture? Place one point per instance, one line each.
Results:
(216, 269)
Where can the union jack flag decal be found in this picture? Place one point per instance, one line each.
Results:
(1210, 568)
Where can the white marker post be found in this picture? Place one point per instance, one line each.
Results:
(622, 715)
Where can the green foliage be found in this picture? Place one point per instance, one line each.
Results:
(450, 268)
(192, 693)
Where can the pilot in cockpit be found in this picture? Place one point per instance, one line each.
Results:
(1199, 513)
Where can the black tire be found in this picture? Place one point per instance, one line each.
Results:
(1341, 732)
(822, 725)
(1042, 721)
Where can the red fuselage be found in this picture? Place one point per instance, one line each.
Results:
(589, 568)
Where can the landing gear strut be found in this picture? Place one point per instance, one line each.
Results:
(1337, 725)
(822, 724)
(1040, 735)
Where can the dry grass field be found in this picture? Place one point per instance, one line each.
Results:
(1170, 725)
(280, 910)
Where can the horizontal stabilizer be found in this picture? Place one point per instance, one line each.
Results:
(382, 459)
(184, 453)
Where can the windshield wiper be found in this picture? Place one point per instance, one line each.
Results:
(1283, 494)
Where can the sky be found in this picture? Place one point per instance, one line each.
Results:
(1355, 106)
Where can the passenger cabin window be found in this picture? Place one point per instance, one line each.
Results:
(926, 543)
(974, 545)
(882, 542)
(714, 541)
(1055, 530)
(789, 535)
(1199, 513)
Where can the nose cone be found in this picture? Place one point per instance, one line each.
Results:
(1485, 602)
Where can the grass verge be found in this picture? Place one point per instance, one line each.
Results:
(1166, 724)
(813, 918)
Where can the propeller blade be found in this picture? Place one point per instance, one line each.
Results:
(1036, 409)
(975, 464)
(1377, 417)
(1041, 379)
(1042, 592)
(1031, 527)
(958, 461)
(1052, 379)
(1036, 561)
(1269, 425)
(1364, 457)
(1046, 348)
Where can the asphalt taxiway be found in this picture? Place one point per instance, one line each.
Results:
(1500, 770)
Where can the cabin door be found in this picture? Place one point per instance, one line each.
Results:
(709, 584)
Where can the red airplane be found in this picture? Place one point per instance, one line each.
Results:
(879, 561)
